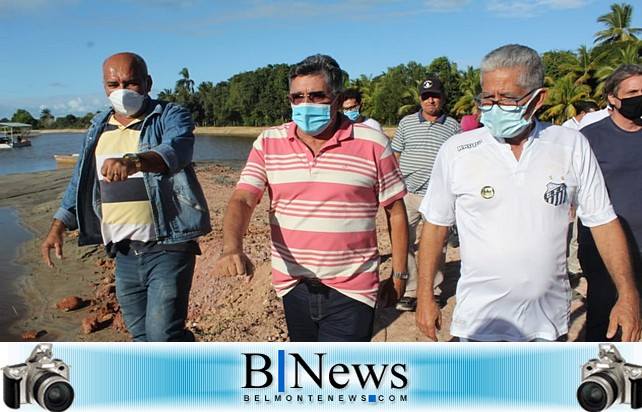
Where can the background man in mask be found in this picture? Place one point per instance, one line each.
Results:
(510, 185)
(617, 143)
(326, 178)
(352, 109)
(134, 189)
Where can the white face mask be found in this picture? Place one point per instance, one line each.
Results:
(126, 102)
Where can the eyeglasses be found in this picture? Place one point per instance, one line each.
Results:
(313, 97)
(507, 104)
(351, 108)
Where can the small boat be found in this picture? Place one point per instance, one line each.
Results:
(66, 159)
(14, 134)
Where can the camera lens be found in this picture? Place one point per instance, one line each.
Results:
(58, 396)
(53, 392)
(597, 392)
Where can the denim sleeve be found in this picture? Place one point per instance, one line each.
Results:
(177, 141)
(67, 211)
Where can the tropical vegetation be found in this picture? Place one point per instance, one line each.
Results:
(258, 98)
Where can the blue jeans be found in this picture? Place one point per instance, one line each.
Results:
(153, 293)
(317, 313)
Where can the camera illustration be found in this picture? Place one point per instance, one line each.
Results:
(608, 380)
(41, 379)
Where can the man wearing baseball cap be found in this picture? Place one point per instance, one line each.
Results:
(415, 144)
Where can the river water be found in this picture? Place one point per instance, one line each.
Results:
(224, 150)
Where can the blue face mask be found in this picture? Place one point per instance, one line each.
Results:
(505, 125)
(312, 118)
(353, 115)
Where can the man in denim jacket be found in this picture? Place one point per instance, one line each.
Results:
(135, 190)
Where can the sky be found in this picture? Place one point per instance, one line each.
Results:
(52, 51)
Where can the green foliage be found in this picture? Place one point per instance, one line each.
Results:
(554, 61)
(258, 97)
(23, 116)
(46, 119)
(397, 89)
(561, 97)
(618, 25)
(469, 87)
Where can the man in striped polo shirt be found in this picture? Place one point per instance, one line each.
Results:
(326, 178)
(415, 144)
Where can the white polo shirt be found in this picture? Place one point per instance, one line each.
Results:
(512, 218)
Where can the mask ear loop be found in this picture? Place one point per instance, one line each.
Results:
(535, 94)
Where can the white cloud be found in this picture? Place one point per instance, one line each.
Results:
(78, 106)
(531, 8)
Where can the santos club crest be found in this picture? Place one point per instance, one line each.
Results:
(555, 193)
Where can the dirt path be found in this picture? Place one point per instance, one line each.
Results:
(221, 308)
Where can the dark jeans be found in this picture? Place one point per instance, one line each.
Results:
(317, 313)
(153, 292)
(601, 295)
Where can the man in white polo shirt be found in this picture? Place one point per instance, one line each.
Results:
(510, 186)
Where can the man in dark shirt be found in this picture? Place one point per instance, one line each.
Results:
(617, 143)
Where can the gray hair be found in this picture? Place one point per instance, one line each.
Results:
(319, 65)
(612, 83)
(516, 55)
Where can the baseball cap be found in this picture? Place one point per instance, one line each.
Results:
(431, 85)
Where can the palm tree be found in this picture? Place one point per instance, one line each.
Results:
(410, 94)
(167, 94)
(469, 87)
(561, 97)
(46, 118)
(584, 64)
(184, 87)
(624, 55)
(618, 23)
(365, 85)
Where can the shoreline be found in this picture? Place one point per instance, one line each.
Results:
(212, 130)
(41, 286)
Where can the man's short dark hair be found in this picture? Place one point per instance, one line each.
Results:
(352, 94)
(585, 106)
(319, 65)
(612, 83)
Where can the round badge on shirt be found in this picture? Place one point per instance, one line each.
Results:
(487, 192)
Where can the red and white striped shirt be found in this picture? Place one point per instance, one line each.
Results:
(323, 207)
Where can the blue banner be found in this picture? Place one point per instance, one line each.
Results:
(284, 376)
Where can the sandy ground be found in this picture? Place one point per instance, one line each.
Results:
(221, 308)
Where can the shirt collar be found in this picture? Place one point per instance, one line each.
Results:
(441, 119)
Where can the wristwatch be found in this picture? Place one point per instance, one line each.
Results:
(401, 275)
(135, 159)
